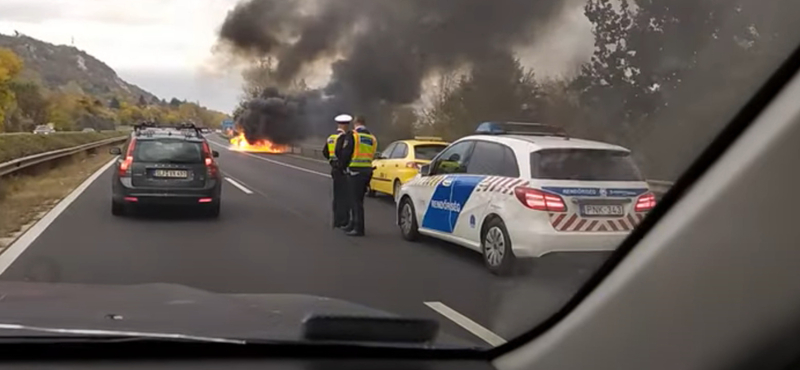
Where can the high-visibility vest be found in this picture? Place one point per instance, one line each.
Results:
(332, 144)
(364, 150)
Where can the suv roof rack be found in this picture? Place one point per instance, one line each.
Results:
(519, 128)
(188, 129)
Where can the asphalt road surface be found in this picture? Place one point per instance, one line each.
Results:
(274, 236)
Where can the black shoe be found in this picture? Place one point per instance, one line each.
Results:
(355, 233)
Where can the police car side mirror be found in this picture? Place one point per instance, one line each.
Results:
(115, 151)
(425, 170)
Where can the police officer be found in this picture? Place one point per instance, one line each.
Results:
(341, 193)
(355, 155)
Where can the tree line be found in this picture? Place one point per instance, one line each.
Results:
(664, 78)
(25, 104)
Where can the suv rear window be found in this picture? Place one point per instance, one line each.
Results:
(584, 165)
(426, 152)
(168, 151)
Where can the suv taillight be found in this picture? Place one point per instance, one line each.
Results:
(645, 202)
(540, 200)
(209, 159)
(125, 165)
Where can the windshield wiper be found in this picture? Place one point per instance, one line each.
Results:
(119, 334)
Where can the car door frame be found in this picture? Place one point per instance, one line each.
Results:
(441, 182)
(393, 165)
(483, 203)
(379, 180)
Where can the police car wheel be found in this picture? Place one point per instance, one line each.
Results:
(408, 220)
(496, 246)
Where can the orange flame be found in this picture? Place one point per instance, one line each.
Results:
(240, 143)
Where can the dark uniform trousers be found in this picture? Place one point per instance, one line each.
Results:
(341, 198)
(358, 178)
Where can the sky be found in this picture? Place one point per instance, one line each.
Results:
(165, 46)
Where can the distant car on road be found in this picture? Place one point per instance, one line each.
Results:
(88, 129)
(166, 166)
(525, 190)
(43, 130)
(400, 162)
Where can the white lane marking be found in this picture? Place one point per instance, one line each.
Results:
(15, 250)
(238, 185)
(465, 322)
(274, 161)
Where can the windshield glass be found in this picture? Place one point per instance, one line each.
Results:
(427, 151)
(589, 109)
(168, 151)
(584, 164)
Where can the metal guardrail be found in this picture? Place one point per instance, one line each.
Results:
(14, 165)
(659, 187)
(54, 133)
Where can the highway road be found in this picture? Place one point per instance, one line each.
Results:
(274, 236)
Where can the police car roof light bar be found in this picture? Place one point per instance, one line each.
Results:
(428, 138)
(519, 128)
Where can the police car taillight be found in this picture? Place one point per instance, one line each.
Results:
(125, 165)
(540, 200)
(645, 202)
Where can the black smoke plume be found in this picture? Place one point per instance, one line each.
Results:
(384, 48)
(273, 116)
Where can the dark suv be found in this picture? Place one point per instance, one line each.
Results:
(166, 166)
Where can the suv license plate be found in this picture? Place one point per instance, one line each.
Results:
(179, 174)
(602, 210)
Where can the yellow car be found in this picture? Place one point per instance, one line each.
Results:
(401, 161)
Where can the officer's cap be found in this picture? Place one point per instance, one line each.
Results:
(343, 118)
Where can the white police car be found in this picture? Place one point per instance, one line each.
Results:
(520, 190)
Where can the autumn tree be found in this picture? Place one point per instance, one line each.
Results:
(114, 103)
(10, 66)
(500, 89)
(31, 108)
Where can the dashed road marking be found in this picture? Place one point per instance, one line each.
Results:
(15, 250)
(466, 323)
(239, 186)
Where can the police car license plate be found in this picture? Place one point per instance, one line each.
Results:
(602, 210)
(179, 174)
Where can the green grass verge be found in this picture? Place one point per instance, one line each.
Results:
(22, 145)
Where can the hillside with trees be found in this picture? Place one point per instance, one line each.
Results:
(42, 83)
